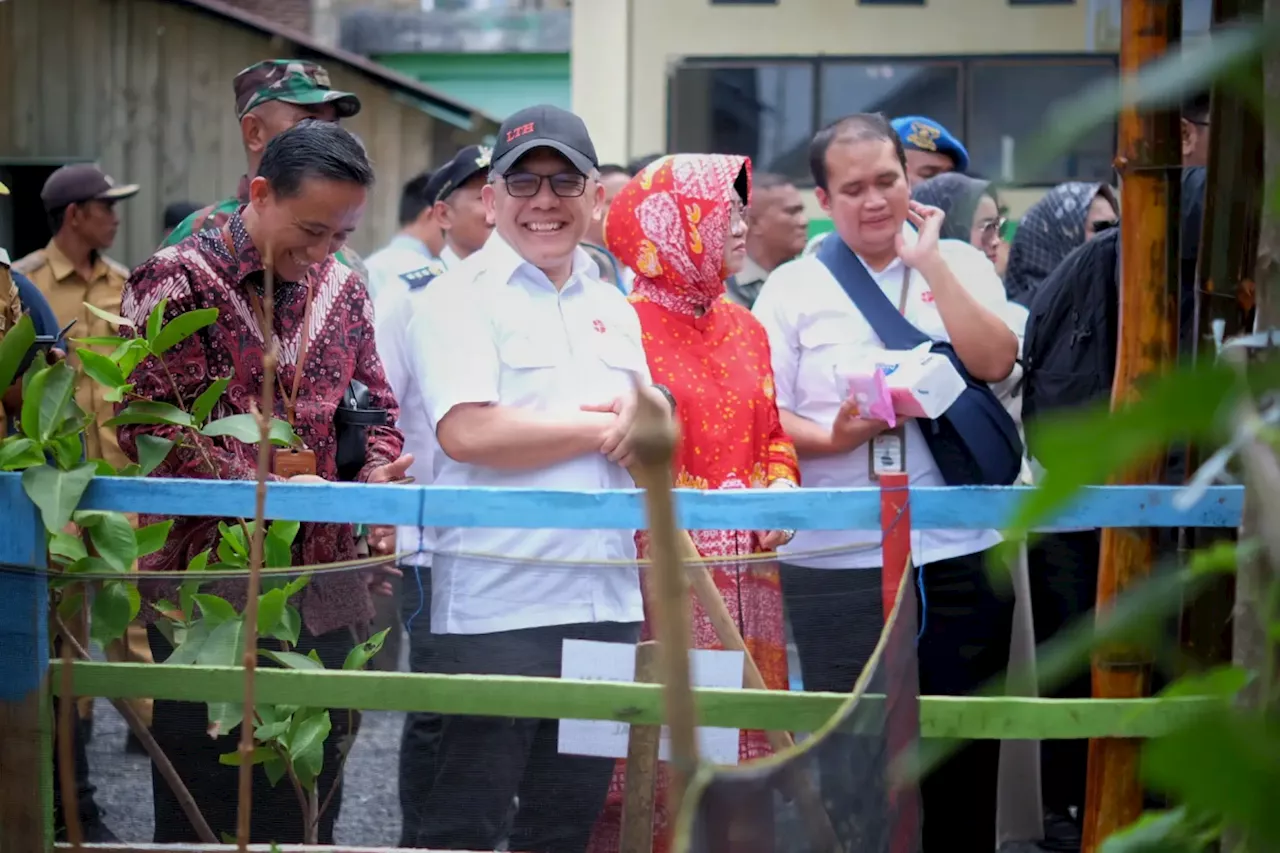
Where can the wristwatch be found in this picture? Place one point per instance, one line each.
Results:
(666, 392)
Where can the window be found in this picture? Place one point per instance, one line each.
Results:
(762, 111)
(892, 88)
(1008, 105)
(769, 110)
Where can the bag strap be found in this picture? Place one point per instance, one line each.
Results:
(895, 331)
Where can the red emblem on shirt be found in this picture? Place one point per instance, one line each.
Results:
(598, 326)
(927, 296)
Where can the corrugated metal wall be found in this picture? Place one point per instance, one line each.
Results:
(144, 87)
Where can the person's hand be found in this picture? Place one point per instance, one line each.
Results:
(618, 439)
(382, 537)
(380, 576)
(772, 540)
(307, 478)
(12, 398)
(849, 429)
(928, 222)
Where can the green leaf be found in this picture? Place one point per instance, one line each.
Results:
(290, 626)
(271, 731)
(55, 492)
(296, 585)
(153, 323)
(225, 646)
(276, 553)
(90, 566)
(130, 354)
(215, 609)
(1156, 832)
(32, 397)
(188, 651)
(148, 412)
(18, 452)
(285, 531)
(67, 451)
(270, 609)
(164, 605)
(114, 539)
(70, 604)
(67, 545)
(152, 450)
(306, 747)
(151, 538)
(117, 395)
(114, 319)
(101, 369)
(275, 769)
(103, 468)
(187, 598)
(259, 755)
(199, 561)
(244, 428)
(180, 328)
(1225, 763)
(224, 717)
(235, 538)
(58, 396)
(291, 660)
(1222, 681)
(114, 606)
(208, 398)
(1087, 446)
(359, 657)
(14, 346)
(112, 341)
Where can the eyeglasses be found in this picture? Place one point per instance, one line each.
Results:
(528, 184)
(992, 227)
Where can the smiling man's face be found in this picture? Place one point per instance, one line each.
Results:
(546, 226)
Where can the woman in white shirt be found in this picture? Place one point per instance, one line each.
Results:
(818, 338)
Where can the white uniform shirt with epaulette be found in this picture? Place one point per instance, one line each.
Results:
(495, 330)
(392, 311)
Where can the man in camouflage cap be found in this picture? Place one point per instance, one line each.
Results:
(271, 97)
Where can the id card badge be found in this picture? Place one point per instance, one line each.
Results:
(287, 462)
(888, 453)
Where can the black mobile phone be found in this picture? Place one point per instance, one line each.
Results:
(42, 344)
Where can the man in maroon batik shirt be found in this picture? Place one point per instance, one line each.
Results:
(308, 197)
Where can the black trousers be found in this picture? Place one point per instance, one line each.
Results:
(1064, 587)
(836, 618)
(482, 763)
(420, 741)
(180, 730)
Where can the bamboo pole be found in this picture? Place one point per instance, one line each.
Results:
(1149, 152)
(655, 443)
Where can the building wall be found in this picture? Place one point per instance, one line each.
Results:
(498, 83)
(144, 87)
(294, 14)
(624, 49)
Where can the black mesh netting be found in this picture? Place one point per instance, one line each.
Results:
(513, 782)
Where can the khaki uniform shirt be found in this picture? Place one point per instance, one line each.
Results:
(744, 287)
(67, 291)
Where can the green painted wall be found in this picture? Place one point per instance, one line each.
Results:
(498, 83)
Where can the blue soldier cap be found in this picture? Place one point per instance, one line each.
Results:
(919, 133)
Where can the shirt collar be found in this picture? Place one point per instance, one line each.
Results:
(245, 260)
(62, 267)
(449, 257)
(506, 262)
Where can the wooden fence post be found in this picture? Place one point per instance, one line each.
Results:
(643, 744)
(26, 810)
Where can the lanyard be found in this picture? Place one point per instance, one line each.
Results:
(304, 340)
(906, 287)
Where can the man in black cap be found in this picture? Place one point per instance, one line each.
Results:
(459, 207)
(527, 365)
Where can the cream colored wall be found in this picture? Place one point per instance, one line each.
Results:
(623, 49)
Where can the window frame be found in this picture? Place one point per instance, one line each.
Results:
(964, 61)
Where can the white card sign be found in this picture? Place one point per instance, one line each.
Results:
(592, 661)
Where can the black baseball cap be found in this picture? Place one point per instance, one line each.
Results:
(79, 183)
(466, 164)
(544, 126)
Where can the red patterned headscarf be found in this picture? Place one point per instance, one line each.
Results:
(671, 223)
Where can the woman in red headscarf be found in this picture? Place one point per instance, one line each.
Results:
(679, 225)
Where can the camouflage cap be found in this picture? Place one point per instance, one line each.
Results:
(293, 81)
